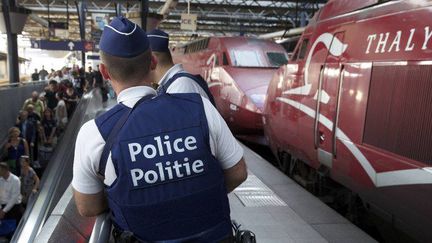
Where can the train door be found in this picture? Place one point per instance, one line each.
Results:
(327, 103)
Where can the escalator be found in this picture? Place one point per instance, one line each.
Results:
(52, 216)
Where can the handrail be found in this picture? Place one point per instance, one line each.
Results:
(102, 229)
(318, 105)
(24, 83)
(37, 213)
(336, 117)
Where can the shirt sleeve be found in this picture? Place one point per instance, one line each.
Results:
(88, 150)
(25, 104)
(224, 146)
(186, 85)
(15, 194)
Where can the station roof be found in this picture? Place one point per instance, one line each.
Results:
(215, 17)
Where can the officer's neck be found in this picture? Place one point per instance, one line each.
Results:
(120, 86)
(161, 70)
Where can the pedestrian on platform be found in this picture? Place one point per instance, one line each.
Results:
(166, 162)
(35, 75)
(173, 78)
(43, 73)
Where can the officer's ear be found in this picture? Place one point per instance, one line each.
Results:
(153, 63)
(104, 71)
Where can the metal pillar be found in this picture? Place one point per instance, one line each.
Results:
(304, 19)
(297, 19)
(81, 16)
(13, 67)
(118, 9)
(144, 13)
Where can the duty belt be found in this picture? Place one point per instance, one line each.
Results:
(128, 237)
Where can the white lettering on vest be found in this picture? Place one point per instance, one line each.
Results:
(148, 174)
(134, 149)
(137, 174)
(167, 144)
(161, 148)
(159, 144)
(189, 142)
(177, 167)
(186, 165)
(153, 151)
(167, 171)
(176, 147)
(197, 166)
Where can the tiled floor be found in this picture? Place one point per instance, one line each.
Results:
(304, 219)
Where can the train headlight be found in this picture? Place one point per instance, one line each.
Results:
(258, 99)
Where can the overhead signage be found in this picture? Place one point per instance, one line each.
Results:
(188, 22)
(61, 33)
(62, 45)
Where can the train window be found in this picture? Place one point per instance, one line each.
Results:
(277, 59)
(224, 59)
(303, 49)
(216, 61)
(243, 58)
(206, 42)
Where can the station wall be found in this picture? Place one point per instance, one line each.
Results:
(11, 101)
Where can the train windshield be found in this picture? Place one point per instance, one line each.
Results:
(246, 58)
(252, 58)
(277, 59)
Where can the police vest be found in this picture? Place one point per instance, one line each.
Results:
(169, 186)
(162, 89)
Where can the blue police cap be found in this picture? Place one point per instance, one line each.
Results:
(122, 38)
(158, 40)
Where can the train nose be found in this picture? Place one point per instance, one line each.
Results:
(253, 82)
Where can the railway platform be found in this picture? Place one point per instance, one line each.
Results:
(277, 209)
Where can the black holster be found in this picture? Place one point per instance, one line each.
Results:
(124, 236)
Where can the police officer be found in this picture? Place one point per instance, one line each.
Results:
(173, 78)
(162, 164)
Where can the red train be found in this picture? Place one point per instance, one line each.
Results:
(238, 70)
(355, 104)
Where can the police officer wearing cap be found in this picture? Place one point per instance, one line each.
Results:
(173, 78)
(162, 164)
